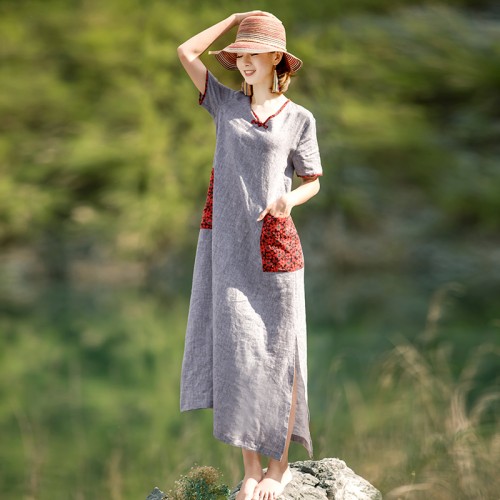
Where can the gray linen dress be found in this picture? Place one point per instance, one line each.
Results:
(246, 328)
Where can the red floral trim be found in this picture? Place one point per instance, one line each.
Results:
(307, 176)
(206, 219)
(264, 124)
(201, 98)
(280, 246)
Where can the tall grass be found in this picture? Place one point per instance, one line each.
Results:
(420, 420)
(454, 436)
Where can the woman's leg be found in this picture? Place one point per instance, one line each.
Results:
(278, 474)
(253, 474)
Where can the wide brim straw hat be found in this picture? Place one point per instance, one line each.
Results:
(256, 35)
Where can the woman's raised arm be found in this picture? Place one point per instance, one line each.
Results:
(189, 52)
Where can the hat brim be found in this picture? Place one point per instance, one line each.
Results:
(227, 56)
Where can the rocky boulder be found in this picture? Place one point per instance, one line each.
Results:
(329, 478)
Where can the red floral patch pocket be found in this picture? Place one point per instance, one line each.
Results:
(206, 219)
(280, 246)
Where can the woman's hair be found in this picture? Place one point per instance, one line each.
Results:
(284, 74)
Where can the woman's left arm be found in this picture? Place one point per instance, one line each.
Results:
(283, 205)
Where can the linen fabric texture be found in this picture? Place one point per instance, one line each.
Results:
(246, 327)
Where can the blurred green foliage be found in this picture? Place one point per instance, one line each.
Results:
(89, 400)
(102, 141)
(105, 158)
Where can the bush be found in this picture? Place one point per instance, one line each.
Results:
(201, 483)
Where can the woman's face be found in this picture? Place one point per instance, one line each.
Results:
(257, 68)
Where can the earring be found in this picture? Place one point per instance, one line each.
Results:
(276, 83)
(246, 88)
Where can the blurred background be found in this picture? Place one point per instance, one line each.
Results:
(105, 158)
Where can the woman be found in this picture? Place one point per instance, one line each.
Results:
(245, 351)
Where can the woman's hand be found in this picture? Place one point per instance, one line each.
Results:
(241, 15)
(278, 208)
(284, 204)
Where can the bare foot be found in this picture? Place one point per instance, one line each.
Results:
(248, 486)
(273, 484)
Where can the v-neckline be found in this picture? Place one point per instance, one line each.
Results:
(258, 122)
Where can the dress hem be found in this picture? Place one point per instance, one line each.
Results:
(252, 447)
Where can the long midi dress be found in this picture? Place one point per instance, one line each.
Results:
(246, 327)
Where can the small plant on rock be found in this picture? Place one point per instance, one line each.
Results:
(200, 483)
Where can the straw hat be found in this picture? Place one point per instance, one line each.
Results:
(256, 35)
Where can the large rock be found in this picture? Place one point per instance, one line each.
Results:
(329, 478)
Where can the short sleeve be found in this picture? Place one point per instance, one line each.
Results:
(306, 158)
(214, 95)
